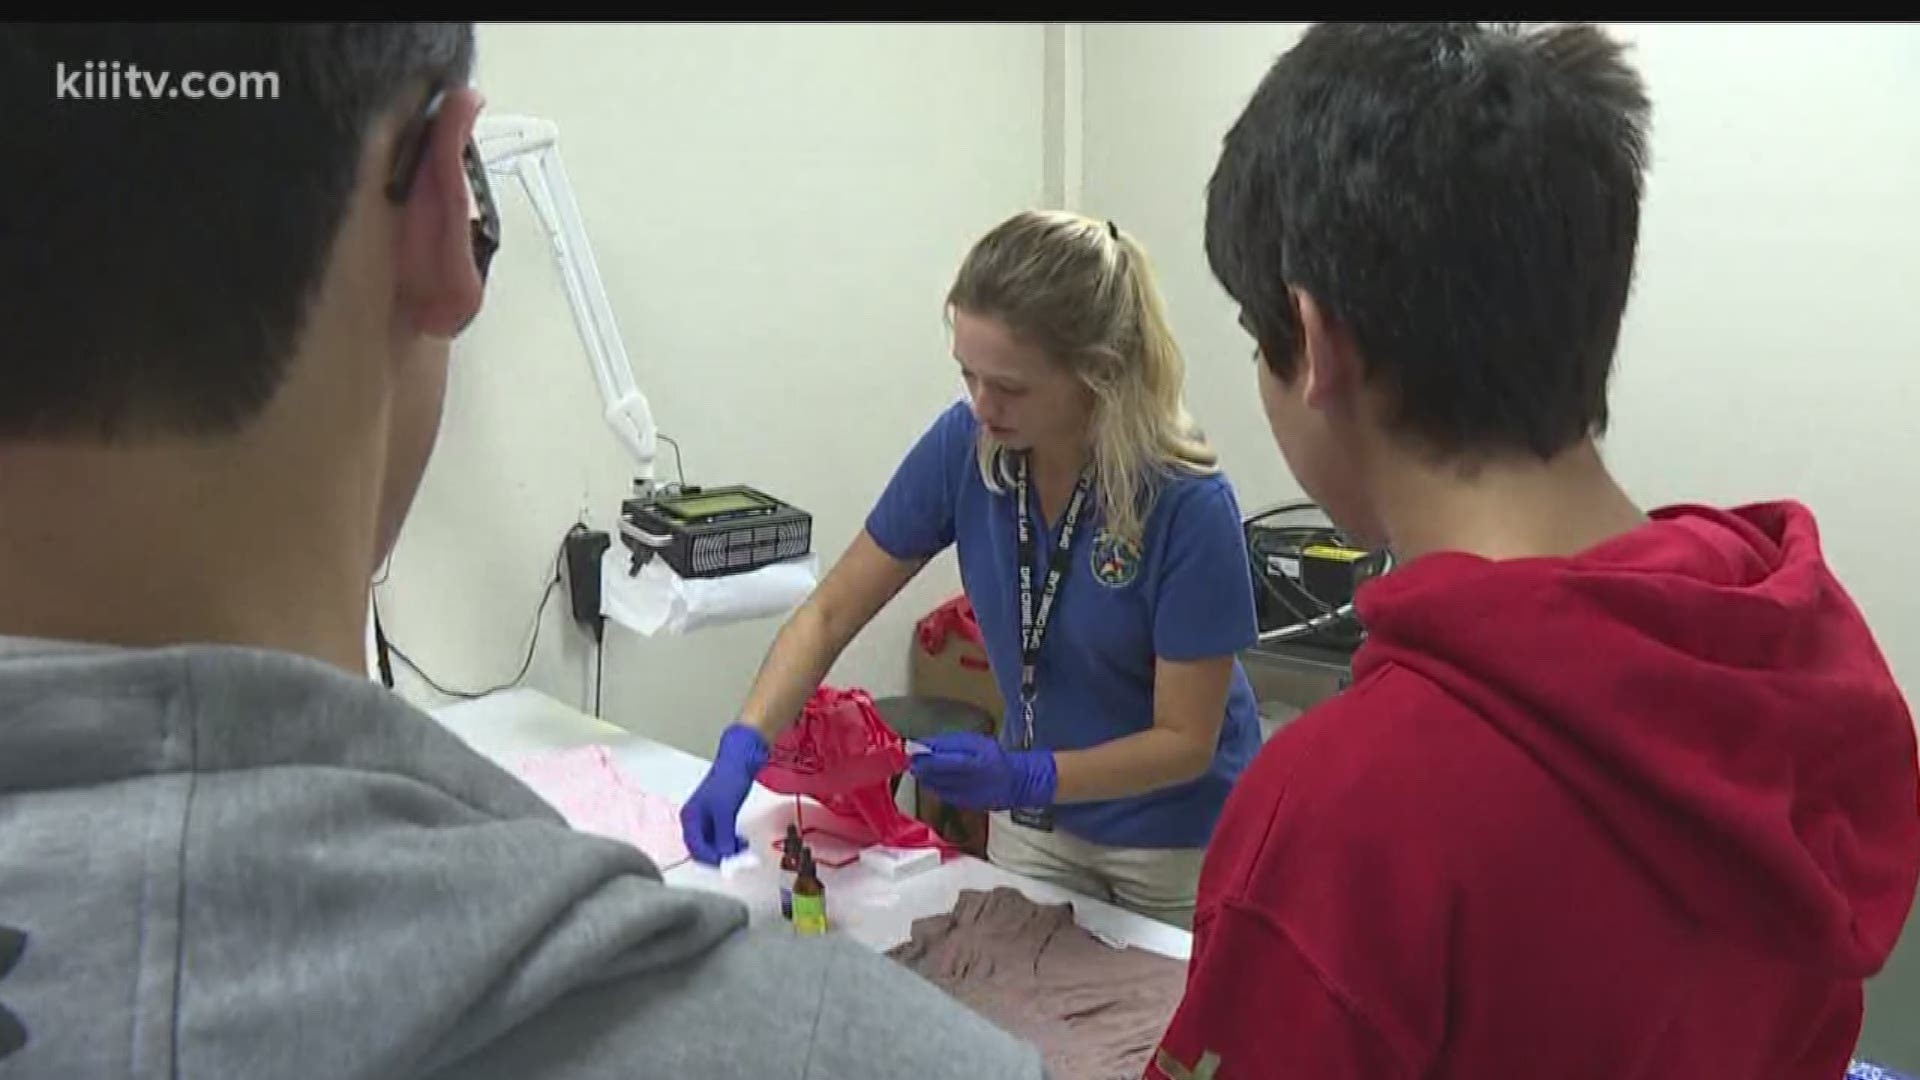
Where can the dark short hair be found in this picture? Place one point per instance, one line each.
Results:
(157, 256)
(1464, 200)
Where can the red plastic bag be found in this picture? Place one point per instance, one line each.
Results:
(955, 617)
(842, 754)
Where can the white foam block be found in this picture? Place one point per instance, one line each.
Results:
(734, 865)
(893, 862)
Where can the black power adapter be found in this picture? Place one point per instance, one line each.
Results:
(583, 548)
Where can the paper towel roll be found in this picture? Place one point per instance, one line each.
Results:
(659, 601)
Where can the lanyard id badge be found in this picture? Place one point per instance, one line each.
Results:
(1034, 622)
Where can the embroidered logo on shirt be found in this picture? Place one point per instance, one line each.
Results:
(1116, 562)
(13, 1033)
(1207, 1068)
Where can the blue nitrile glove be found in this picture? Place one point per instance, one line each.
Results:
(974, 772)
(707, 820)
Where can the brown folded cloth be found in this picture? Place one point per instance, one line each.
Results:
(1094, 1011)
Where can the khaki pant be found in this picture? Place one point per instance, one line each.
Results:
(1159, 883)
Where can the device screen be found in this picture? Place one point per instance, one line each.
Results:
(695, 507)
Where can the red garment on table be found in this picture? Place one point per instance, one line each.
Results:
(842, 754)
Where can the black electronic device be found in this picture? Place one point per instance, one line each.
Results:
(1305, 575)
(583, 547)
(713, 532)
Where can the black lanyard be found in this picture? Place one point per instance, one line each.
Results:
(1033, 625)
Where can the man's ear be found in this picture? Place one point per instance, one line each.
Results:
(440, 286)
(1329, 363)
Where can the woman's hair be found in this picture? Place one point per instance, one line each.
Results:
(1084, 293)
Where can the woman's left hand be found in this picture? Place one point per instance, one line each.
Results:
(974, 772)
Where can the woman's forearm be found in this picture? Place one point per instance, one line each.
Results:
(862, 582)
(802, 654)
(1153, 759)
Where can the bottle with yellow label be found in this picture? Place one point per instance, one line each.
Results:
(809, 900)
(789, 869)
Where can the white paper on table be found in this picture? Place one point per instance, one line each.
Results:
(659, 601)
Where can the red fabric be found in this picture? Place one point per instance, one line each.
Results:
(955, 617)
(839, 745)
(1649, 811)
(842, 754)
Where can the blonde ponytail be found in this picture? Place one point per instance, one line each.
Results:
(1085, 293)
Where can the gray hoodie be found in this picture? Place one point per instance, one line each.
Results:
(233, 863)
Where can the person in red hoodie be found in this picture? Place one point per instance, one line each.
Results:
(1613, 793)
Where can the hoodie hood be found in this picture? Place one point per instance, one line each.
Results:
(1706, 688)
(226, 855)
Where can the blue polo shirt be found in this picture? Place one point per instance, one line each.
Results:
(1185, 594)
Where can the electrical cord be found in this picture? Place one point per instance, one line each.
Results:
(539, 616)
(679, 463)
(1306, 623)
(383, 651)
(1255, 561)
(1301, 618)
(599, 670)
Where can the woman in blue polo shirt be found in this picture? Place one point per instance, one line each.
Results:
(1103, 554)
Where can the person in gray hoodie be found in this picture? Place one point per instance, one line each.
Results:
(232, 259)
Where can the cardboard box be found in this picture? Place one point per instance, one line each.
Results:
(958, 672)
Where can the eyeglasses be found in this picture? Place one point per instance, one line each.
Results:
(485, 225)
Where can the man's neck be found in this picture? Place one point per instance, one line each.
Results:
(1507, 509)
(179, 545)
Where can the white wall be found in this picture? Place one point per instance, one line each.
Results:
(777, 211)
(1156, 101)
(1773, 339)
(1772, 347)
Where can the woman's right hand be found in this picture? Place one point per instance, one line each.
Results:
(709, 819)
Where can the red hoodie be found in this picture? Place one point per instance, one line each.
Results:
(1651, 811)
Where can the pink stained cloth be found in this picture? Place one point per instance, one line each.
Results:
(591, 792)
